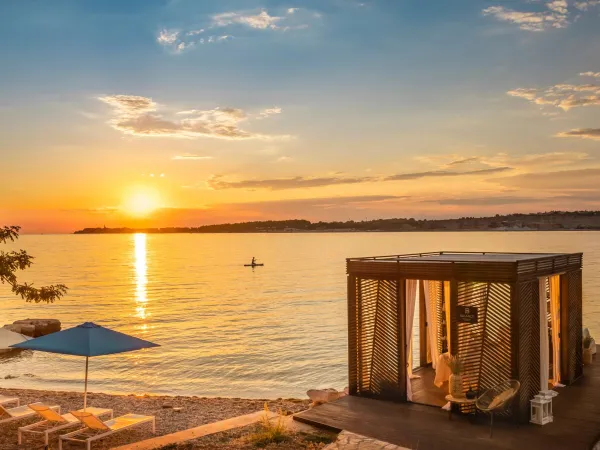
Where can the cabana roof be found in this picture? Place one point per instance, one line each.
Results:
(468, 266)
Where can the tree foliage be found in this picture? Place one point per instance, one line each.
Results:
(13, 262)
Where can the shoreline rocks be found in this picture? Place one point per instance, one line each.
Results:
(34, 327)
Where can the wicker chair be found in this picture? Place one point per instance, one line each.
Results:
(497, 399)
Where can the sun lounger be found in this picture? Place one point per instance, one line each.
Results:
(97, 429)
(4, 400)
(20, 412)
(54, 421)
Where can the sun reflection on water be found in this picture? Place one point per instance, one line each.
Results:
(141, 278)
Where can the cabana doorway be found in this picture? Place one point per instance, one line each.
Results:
(429, 340)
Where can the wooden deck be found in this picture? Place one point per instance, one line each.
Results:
(576, 422)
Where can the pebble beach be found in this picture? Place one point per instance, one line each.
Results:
(173, 413)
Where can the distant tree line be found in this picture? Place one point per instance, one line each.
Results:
(551, 220)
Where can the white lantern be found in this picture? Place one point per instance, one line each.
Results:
(541, 408)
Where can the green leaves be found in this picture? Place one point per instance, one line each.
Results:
(14, 261)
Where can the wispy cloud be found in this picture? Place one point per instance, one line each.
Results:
(583, 133)
(261, 21)
(167, 37)
(590, 74)
(563, 96)
(461, 161)
(586, 5)
(268, 112)
(445, 173)
(207, 31)
(276, 184)
(548, 15)
(136, 115)
(191, 157)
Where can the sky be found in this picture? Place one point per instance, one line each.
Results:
(190, 112)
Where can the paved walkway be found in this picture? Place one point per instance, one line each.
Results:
(351, 441)
(195, 433)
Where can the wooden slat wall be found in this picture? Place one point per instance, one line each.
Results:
(529, 347)
(496, 352)
(467, 339)
(575, 335)
(376, 339)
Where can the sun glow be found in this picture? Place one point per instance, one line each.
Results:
(141, 201)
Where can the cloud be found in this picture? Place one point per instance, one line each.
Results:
(445, 173)
(285, 159)
(463, 161)
(292, 10)
(484, 201)
(590, 74)
(129, 104)
(586, 5)
(167, 37)
(563, 96)
(555, 15)
(261, 21)
(191, 157)
(276, 184)
(195, 32)
(538, 160)
(559, 181)
(136, 116)
(584, 133)
(269, 112)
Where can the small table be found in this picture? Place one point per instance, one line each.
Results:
(458, 401)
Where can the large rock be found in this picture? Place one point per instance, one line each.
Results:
(35, 327)
(320, 396)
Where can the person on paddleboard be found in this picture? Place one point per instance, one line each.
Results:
(253, 261)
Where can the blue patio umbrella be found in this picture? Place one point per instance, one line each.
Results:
(87, 339)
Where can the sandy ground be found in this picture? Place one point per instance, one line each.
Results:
(195, 411)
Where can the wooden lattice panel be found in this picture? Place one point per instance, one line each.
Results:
(468, 342)
(528, 323)
(575, 355)
(496, 357)
(437, 291)
(377, 340)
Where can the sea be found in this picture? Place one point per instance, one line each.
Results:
(224, 329)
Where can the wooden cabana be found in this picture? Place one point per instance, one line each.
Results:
(508, 315)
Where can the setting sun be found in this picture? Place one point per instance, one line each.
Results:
(141, 201)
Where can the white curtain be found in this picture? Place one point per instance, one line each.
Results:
(431, 288)
(554, 282)
(544, 345)
(411, 298)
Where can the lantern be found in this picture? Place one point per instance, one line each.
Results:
(541, 408)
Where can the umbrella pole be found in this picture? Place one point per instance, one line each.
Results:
(87, 360)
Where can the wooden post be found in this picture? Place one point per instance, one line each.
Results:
(453, 320)
(423, 331)
(352, 336)
(565, 376)
(402, 356)
(514, 331)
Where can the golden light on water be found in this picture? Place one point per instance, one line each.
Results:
(141, 278)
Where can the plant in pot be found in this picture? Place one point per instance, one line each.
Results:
(587, 350)
(455, 382)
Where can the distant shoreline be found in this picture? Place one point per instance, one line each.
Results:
(546, 221)
(143, 231)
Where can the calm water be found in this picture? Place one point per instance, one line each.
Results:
(227, 330)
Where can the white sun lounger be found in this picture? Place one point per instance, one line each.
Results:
(54, 422)
(4, 400)
(20, 412)
(96, 429)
